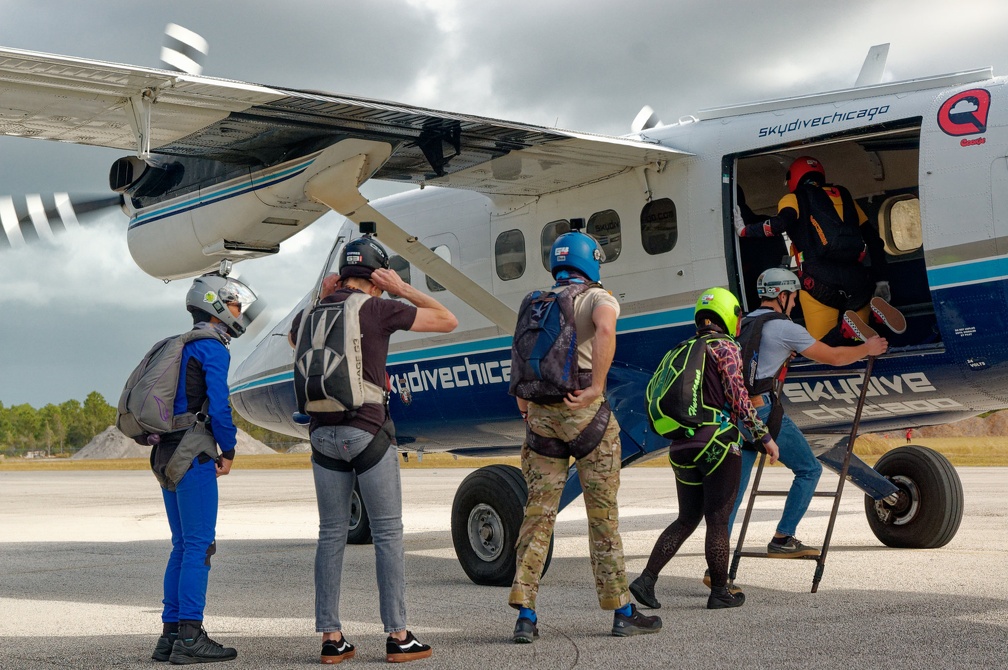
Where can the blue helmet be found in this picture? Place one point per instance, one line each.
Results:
(576, 251)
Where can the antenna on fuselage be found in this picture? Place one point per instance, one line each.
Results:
(874, 66)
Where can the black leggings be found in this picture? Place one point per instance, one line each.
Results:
(712, 501)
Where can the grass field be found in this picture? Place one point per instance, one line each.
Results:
(961, 451)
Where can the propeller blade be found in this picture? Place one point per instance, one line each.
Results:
(183, 50)
(33, 218)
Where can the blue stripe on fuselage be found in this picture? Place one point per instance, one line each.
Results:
(256, 184)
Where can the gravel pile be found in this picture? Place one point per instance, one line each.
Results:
(110, 443)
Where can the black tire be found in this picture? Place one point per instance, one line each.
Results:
(930, 505)
(359, 531)
(486, 516)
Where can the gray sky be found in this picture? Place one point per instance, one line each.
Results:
(77, 316)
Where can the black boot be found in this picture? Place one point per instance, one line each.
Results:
(642, 589)
(195, 646)
(163, 649)
(722, 597)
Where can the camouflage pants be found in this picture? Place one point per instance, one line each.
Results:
(599, 473)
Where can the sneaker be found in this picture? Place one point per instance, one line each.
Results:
(635, 624)
(163, 648)
(200, 650)
(336, 652)
(730, 585)
(723, 598)
(410, 649)
(853, 328)
(791, 548)
(888, 315)
(525, 631)
(642, 589)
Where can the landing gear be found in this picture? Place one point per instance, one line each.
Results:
(927, 510)
(360, 526)
(486, 516)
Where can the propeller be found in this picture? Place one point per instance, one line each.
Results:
(37, 217)
(183, 50)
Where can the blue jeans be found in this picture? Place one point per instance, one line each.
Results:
(192, 517)
(381, 493)
(796, 454)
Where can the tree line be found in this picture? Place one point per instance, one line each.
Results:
(63, 429)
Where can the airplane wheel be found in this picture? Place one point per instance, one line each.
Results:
(360, 525)
(930, 500)
(486, 516)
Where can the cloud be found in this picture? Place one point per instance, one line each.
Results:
(964, 106)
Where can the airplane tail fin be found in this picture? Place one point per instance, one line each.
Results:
(874, 66)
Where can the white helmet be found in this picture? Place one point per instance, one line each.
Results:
(771, 283)
(211, 294)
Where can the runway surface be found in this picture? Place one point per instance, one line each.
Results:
(82, 555)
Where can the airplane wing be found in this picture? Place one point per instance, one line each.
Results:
(149, 110)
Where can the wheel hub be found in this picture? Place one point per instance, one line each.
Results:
(486, 532)
(355, 510)
(907, 502)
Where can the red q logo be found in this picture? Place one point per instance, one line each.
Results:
(965, 113)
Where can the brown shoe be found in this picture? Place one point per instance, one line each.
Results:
(888, 315)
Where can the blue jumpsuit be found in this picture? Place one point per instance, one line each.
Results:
(192, 506)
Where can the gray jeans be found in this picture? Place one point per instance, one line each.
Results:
(381, 493)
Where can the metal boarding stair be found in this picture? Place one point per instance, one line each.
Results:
(841, 460)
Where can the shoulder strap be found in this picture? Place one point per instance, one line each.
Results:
(750, 338)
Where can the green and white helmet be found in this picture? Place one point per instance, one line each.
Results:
(211, 295)
(771, 283)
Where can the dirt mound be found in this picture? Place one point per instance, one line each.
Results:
(995, 424)
(110, 443)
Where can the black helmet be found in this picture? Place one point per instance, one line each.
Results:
(361, 257)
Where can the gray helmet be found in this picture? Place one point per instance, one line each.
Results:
(211, 294)
(772, 282)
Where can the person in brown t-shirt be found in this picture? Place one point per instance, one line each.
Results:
(338, 441)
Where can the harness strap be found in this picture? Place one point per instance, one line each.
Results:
(364, 461)
(582, 445)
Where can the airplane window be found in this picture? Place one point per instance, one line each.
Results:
(401, 267)
(444, 252)
(550, 232)
(509, 254)
(900, 224)
(604, 226)
(659, 226)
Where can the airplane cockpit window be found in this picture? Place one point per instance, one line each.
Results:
(900, 224)
(509, 254)
(659, 226)
(550, 232)
(444, 252)
(604, 226)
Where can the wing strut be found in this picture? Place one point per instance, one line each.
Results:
(337, 188)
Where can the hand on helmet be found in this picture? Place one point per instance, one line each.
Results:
(883, 291)
(387, 280)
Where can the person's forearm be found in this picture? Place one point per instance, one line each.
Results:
(602, 356)
(419, 298)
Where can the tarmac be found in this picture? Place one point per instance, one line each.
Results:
(82, 555)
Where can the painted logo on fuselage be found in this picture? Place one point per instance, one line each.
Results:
(965, 113)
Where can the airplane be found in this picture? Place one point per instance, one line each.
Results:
(226, 171)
